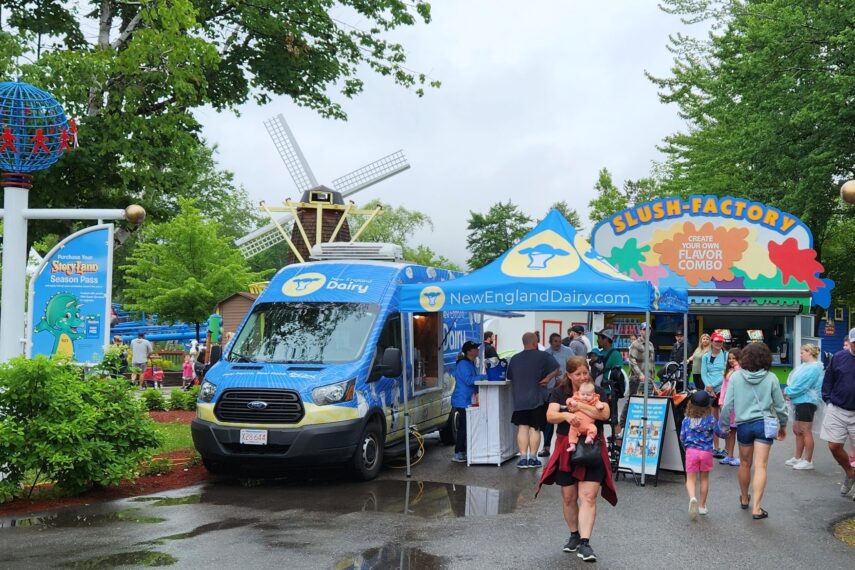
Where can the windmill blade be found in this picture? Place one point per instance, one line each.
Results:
(263, 238)
(290, 152)
(371, 174)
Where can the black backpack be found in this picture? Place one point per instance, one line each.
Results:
(614, 381)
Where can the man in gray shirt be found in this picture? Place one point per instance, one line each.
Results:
(560, 353)
(576, 341)
(141, 349)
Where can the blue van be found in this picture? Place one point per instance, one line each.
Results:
(314, 374)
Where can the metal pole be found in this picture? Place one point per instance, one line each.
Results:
(12, 331)
(646, 383)
(685, 352)
(69, 214)
(406, 396)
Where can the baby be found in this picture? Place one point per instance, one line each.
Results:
(582, 422)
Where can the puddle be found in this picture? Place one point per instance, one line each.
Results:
(393, 556)
(204, 529)
(136, 558)
(418, 498)
(68, 519)
(169, 501)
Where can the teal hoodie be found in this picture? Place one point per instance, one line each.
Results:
(754, 395)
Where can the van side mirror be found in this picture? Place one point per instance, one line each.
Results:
(389, 366)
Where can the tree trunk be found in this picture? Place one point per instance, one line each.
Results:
(104, 24)
(197, 333)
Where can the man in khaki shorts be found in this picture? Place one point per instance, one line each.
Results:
(838, 392)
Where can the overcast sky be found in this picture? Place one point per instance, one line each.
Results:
(536, 97)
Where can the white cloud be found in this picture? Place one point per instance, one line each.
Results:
(536, 97)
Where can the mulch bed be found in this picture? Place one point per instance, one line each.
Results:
(147, 485)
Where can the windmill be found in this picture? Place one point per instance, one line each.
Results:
(273, 233)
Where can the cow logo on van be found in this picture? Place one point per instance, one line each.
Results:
(432, 298)
(545, 254)
(303, 284)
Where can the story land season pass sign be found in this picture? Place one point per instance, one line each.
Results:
(716, 243)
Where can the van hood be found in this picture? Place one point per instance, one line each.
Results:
(300, 377)
(754, 377)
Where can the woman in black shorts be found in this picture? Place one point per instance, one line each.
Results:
(579, 484)
(803, 392)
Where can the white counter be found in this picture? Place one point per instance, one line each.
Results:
(491, 438)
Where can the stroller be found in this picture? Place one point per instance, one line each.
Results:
(153, 376)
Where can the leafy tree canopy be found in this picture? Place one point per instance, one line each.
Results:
(180, 269)
(768, 99)
(570, 214)
(610, 199)
(495, 232)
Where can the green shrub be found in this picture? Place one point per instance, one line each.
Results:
(62, 428)
(160, 466)
(181, 400)
(154, 400)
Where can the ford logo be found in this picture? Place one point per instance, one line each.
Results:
(257, 405)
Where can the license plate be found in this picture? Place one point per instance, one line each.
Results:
(253, 437)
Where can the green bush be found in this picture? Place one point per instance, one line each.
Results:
(154, 400)
(160, 466)
(77, 433)
(181, 400)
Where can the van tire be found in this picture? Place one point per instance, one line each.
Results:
(215, 467)
(368, 457)
(448, 434)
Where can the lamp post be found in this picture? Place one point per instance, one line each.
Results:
(34, 134)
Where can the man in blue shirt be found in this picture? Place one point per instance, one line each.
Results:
(838, 392)
(465, 375)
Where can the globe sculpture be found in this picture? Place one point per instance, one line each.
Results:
(34, 132)
(847, 192)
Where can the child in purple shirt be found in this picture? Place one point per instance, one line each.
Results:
(696, 435)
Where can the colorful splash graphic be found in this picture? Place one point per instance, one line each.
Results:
(715, 243)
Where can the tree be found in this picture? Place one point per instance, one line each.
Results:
(609, 199)
(493, 233)
(570, 214)
(424, 255)
(183, 267)
(134, 87)
(767, 97)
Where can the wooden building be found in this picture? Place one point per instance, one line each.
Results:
(234, 309)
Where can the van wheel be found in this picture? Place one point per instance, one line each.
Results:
(368, 457)
(448, 434)
(215, 467)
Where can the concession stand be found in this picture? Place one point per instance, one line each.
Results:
(750, 269)
(551, 269)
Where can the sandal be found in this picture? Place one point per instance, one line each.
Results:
(763, 515)
(745, 506)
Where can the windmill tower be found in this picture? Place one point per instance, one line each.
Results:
(321, 212)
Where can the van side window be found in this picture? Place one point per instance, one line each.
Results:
(390, 337)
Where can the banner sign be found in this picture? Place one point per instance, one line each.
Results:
(632, 448)
(69, 310)
(716, 243)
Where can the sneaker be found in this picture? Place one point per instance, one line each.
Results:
(735, 462)
(847, 484)
(544, 452)
(725, 461)
(522, 463)
(459, 457)
(586, 553)
(703, 510)
(803, 465)
(719, 453)
(572, 543)
(534, 463)
(791, 462)
(693, 508)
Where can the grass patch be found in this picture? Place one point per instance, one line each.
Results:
(845, 531)
(175, 436)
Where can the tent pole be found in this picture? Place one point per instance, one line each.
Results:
(685, 351)
(646, 384)
(406, 395)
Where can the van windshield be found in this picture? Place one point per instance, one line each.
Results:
(305, 333)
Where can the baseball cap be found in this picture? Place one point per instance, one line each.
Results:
(579, 329)
(643, 326)
(679, 332)
(852, 335)
(608, 333)
(718, 338)
(469, 345)
(701, 399)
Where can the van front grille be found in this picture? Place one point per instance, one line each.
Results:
(280, 406)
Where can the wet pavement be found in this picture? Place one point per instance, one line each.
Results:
(448, 516)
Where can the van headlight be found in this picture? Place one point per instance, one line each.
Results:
(206, 393)
(334, 393)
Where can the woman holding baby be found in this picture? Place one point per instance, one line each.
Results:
(579, 484)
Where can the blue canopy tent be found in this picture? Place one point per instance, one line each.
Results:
(552, 268)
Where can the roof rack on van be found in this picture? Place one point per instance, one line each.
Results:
(358, 250)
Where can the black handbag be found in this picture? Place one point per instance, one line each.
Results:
(587, 454)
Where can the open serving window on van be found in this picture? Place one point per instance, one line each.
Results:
(318, 333)
(427, 328)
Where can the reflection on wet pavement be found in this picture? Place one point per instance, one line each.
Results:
(136, 558)
(169, 501)
(418, 498)
(70, 519)
(392, 556)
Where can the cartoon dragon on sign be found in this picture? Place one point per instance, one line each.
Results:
(62, 320)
